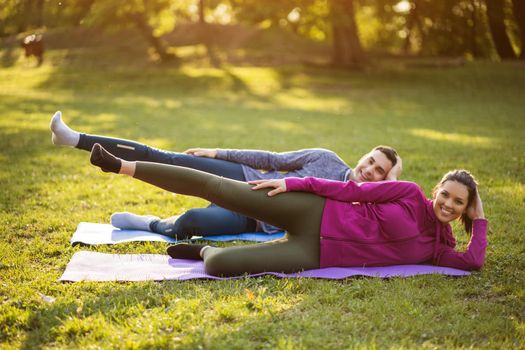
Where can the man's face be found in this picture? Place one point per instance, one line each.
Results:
(372, 167)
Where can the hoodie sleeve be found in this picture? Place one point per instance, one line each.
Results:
(264, 160)
(350, 191)
(473, 257)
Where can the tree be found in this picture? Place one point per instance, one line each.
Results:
(519, 14)
(317, 18)
(133, 13)
(347, 48)
(495, 13)
(205, 35)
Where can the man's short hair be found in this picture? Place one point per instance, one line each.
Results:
(389, 152)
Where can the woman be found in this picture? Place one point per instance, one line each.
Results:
(328, 223)
(242, 165)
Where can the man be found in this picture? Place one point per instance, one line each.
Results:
(381, 163)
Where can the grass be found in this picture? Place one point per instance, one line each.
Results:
(462, 117)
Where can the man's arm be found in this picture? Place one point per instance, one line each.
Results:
(257, 159)
(395, 172)
(202, 152)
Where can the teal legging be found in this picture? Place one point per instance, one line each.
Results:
(298, 213)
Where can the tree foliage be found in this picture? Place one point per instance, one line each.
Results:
(476, 28)
(144, 15)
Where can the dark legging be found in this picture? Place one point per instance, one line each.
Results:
(297, 212)
(209, 221)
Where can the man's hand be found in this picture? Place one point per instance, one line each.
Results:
(475, 209)
(202, 152)
(278, 186)
(396, 170)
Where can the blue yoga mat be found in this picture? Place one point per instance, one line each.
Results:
(93, 234)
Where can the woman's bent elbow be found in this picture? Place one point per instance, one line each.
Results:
(477, 264)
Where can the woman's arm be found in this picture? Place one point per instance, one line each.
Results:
(350, 191)
(278, 185)
(473, 257)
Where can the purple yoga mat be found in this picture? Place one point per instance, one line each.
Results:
(93, 266)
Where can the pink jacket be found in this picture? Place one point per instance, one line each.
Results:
(386, 223)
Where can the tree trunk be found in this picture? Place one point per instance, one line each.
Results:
(39, 13)
(145, 29)
(519, 13)
(347, 49)
(24, 22)
(474, 32)
(201, 12)
(411, 21)
(498, 30)
(83, 8)
(205, 36)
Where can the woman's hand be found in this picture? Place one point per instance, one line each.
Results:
(475, 209)
(395, 172)
(202, 152)
(277, 185)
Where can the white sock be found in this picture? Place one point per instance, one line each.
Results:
(130, 221)
(62, 134)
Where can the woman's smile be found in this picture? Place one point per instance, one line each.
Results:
(450, 201)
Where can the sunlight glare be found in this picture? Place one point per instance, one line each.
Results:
(403, 6)
(222, 14)
(463, 139)
(294, 15)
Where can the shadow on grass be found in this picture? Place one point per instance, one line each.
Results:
(10, 55)
(25, 167)
(148, 82)
(251, 311)
(175, 310)
(57, 320)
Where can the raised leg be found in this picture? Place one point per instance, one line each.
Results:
(299, 213)
(135, 151)
(284, 210)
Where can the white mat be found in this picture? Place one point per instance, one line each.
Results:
(93, 266)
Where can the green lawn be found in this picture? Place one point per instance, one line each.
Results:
(460, 117)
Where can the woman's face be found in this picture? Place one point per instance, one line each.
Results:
(450, 201)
